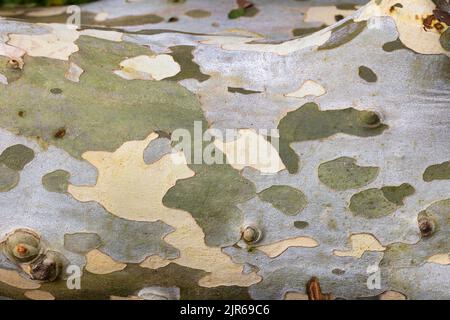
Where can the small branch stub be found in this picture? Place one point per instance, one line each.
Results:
(426, 225)
(370, 119)
(22, 246)
(251, 234)
(47, 267)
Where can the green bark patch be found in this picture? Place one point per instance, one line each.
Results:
(243, 12)
(122, 110)
(133, 278)
(189, 69)
(123, 21)
(12, 160)
(9, 178)
(346, 6)
(250, 12)
(437, 172)
(301, 224)
(378, 203)
(394, 45)
(82, 242)
(287, 199)
(338, 272)
(309, 123)
(56, 181)
(241, 90)
(343, 174)
(198, 13)
(236, 13)
(367, 74)
(343, 34)
(17, 156)
(397, 194)
(371, 204)
(445, 39)
(211, 196)
(301, 32)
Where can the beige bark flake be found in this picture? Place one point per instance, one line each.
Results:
(103, 34)
(241, 43)
(443, 259)
(14, 279)
(10, 51)
(154, 262)
(325, 14)
(308, 88)
(74, 72)
(39, 295)
(145, 67)
(360, 243)
(292, 295)
(101, 16)
(100, 263)
(275, 249)
(59, 44)
(251, 149)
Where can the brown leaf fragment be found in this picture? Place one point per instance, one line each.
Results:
(16, 63)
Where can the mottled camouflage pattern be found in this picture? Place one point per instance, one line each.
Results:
(85, 164)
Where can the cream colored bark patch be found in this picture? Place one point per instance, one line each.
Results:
(145, 67)
(100, 263)
(251, 149)
(74, 72)
(325, 14)
(59, 44)
(129, 188)
(360, 243)
(243, 33)
(292, 295)
(409, 23)
(154, 262)
(14, 279)
(103, 34)
(10, 51)
(275, 249)
(39, 295)
(443, 259)
(285, 48)
(308, 88)
(101, 16)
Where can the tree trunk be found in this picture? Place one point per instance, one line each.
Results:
(202, 150)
